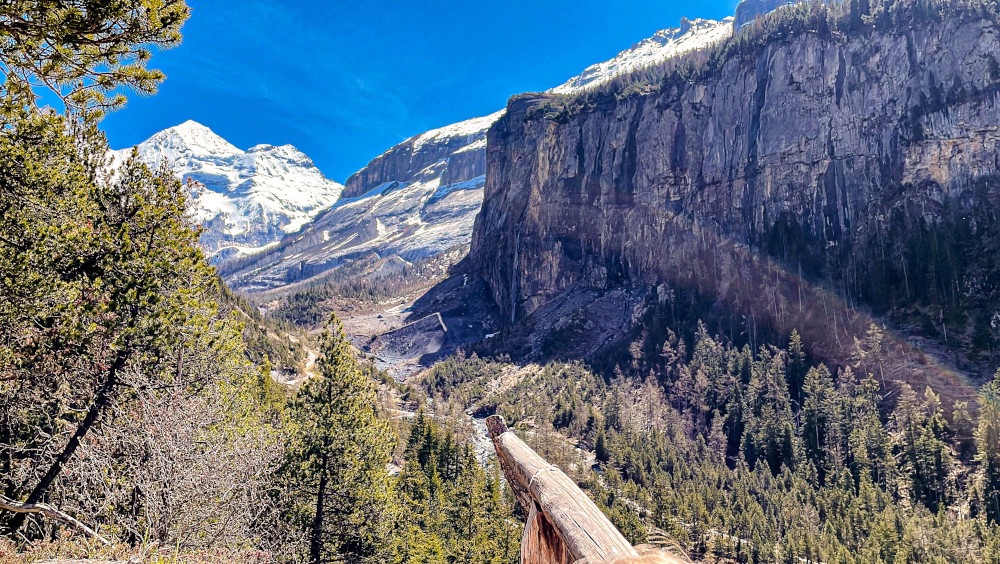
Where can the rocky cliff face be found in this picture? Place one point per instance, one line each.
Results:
(462, 144)
(818, 137)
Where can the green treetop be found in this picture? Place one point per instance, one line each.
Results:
(988, 446)
(84, 50)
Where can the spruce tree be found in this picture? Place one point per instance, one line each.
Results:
(769, 434)
(338, 459)
(818, 416)
(601, 446)
(925, 456)
(797, 368)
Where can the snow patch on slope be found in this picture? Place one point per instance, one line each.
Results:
(461, 129)
(410, 220)
(666, 44)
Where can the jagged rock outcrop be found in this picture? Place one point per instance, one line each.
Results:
(461, 144)
(815, 134)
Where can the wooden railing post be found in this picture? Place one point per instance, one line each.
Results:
(564, 526)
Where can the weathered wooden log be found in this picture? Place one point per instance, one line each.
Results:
(564, 525)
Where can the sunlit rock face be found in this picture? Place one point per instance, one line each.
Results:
(811, 141)
(459, 144)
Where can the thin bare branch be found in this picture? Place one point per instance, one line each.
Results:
(48, 511)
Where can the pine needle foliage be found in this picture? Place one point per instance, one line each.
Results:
(83, 50)
(338, 457)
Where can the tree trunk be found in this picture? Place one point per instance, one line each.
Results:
(101, 401)
(316, 535)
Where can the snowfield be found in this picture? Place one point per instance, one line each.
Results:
(668, 43)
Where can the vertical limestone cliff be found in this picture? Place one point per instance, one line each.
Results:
(418, 199)
(761, 179)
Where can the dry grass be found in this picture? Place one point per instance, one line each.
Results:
(72, 549)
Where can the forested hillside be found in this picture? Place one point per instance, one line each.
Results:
(748, 455)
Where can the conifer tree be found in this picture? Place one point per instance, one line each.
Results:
(796, 370)
(769, 433)
(83, 50)
(101, 285)
(988, 448)
(466, 513)
(338, 459)
(818, 416)
(926, 457)
(601, 446)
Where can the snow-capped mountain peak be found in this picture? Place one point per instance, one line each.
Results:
(276, 160)
(245, 200)
(188, 139)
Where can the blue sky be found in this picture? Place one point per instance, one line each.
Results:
(344, 81)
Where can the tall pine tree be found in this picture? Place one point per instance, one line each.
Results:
(338, 459)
